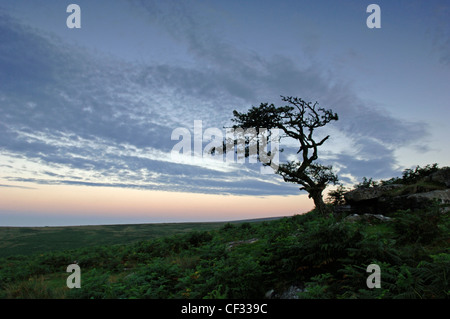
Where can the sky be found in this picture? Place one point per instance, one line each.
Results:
(88, 115)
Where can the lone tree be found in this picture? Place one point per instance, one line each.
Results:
(297, 120)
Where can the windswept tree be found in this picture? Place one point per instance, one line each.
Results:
(297, 120)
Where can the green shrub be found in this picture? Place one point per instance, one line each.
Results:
(329, 255)
(197, 238)
(33, 288)
(336, 197)
(411, 176)
(95, 284)
(318, 287)
(420, 226)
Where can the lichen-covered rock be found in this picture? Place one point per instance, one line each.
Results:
(442, 176)
(421, 200)
(367, 217)
(233, 244)
(363, 194)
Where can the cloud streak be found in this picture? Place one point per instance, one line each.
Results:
(74, 118)
(374, 133)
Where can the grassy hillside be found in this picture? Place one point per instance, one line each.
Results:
(31, 240)
(327, 256)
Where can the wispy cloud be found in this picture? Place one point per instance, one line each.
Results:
(87, 120)
(16, 186)
(374, 133)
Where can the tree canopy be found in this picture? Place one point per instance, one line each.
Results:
(298, 120)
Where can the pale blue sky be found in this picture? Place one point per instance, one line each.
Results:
(96, 106)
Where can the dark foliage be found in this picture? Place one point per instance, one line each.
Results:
(297, 120)
(327, 255)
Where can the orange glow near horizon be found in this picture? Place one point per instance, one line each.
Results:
(120, 202)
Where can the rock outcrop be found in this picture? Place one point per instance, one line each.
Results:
(364, 194)
(385, 199)
(370, 200)
(367, 217)
(422, 200)
(233, 244)
(289, 293)
(442, 176)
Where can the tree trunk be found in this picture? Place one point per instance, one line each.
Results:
(321, 207)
